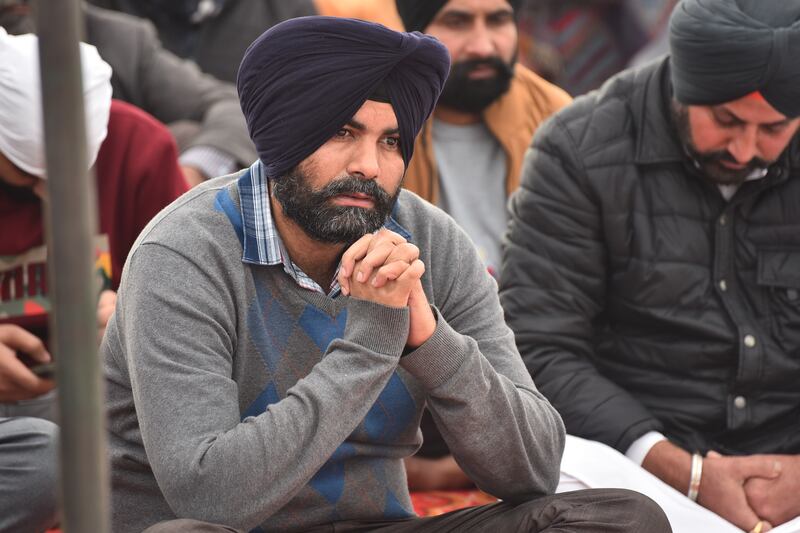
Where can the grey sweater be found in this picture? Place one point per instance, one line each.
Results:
(237, 397)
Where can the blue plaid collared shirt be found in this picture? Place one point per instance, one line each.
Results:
(262, 242)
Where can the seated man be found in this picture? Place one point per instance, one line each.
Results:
(469, 155)
(652, 272)
(277, 334)
(468, 158)
(137, 174)
(203, 112)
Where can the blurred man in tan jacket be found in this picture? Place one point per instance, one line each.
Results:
(468, 156)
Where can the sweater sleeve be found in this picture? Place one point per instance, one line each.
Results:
(503, 433)
(176, 337)
(553, 289)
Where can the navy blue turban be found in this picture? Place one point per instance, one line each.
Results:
(723, 50)
(418, 14)
(303, 79)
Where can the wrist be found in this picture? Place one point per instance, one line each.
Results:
(670, 464)
(419, 334)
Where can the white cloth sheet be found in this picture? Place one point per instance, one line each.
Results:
(590, 464)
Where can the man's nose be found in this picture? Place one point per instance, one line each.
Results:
(744, 145)
(480, 44)
(364, 162)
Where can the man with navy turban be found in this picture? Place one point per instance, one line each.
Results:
(279, 331)
(652, 272)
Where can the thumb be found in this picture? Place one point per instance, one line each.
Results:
(417, 300)
(759, 466)
(417, 292)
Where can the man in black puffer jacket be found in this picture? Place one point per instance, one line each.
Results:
(652, 267)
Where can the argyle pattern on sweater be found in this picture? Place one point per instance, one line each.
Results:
(292, 332)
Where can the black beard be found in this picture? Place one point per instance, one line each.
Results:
(710, 163)
(473, 96)
(322, 221)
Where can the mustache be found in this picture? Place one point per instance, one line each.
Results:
(724, 155)
(324, 221)
(354, 185)
(463, 68)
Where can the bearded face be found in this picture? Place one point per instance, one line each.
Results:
(714, 164)
(312, 210)
(464, 92)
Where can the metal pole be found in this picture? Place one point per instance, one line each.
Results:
(71, 215)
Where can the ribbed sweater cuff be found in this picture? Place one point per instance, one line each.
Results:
(376, 327)
(439, 357)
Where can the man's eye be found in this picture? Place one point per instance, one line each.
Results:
(774, 129)
(726, 122)
(343, 133)
(500, 19)
(455, 23)
(393, 142)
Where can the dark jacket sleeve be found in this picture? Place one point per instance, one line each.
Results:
(166, 86)
(553, 291)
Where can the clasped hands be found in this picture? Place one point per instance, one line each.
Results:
(384, 268)
(752, 489)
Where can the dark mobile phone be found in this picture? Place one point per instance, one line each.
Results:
(45, 370)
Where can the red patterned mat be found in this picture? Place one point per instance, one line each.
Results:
(435, 502)
(439, 502)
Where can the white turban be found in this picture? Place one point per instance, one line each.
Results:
(21, 124)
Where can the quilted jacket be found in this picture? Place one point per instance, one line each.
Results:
(640, 298)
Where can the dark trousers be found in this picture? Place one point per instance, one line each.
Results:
(584, 511)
